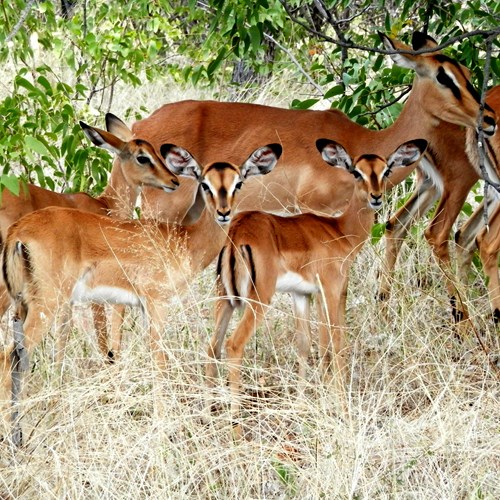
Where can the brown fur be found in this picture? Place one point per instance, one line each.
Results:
(318, 250)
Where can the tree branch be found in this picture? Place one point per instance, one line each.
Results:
(485, 33)
(19, 24)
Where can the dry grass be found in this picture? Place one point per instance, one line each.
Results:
(422, 416)
(422, 421)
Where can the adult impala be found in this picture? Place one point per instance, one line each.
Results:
(441, 102)
(473, 234)
(304, 255)
(136, 165)
(56, 256)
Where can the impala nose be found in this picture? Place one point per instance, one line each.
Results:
(223, 216)
(489, 125)
(376, 200)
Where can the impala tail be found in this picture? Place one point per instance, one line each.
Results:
(17, 273)
(236, 272)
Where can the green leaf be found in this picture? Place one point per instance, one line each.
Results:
(255, 37)
(35, 145)
(11, 182)
(337, 90)
(378, 231)
(297, 104)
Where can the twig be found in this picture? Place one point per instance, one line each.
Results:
(294, 60)
(485, 33)
(389, 104)
(19, 24)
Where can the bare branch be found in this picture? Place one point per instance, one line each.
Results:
(494, 32)
(389, 104)
(22, 19)
(294, 60)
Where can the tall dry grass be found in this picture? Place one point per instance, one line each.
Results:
(422, 420)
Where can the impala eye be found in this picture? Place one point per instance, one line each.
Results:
(356, 174)
(386, 173)
(239, 185)
(205, 187)
(143, 160)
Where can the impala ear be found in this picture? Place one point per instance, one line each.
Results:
(103, 139)
(406, 154)
(420, 40)
(334, 154)
(261, 161)
(403, 60)
(118, 127)
(180, 161)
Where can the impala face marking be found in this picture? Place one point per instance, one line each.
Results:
(57, 256)
(303, 255)
(460, 101)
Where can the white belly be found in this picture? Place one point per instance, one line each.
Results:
(294, 283)
(112, 295)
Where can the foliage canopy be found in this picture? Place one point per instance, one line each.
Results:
(64, 61)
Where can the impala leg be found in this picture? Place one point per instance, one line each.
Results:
(465, 239)
(302, 314)
(223, 312)
(5, 301)
(465, 245)
(252, 316)
(332, 336)
(489, 247)
(14, 360)
(62, 330)
(101, 329)
(398, 226)
(116, 330)
(438, 233)
(157, 315)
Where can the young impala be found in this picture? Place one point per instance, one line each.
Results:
(56, 256)
(442, 101)
(136, 165)
(303, 255)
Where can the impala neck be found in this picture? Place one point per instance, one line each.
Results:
(205, 239)
(119, 196)
(411, 119)
(356, 223)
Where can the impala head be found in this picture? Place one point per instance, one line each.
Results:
(371, 171)
(449, 94)
(220, 180)
(139, 162)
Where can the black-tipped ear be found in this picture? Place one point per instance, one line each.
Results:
(277, 149)
(165, 148)
(261, 161)
(118, 127)
(180, 161)
(84, 125)
(421, 145)
(334, 154)
(420, 40)
(408, 153)
(321, 144)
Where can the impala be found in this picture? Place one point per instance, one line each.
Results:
(473, 234)
(304, 255)
(56, 256)
(452, 176)
(441, 102)
(136, 165)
